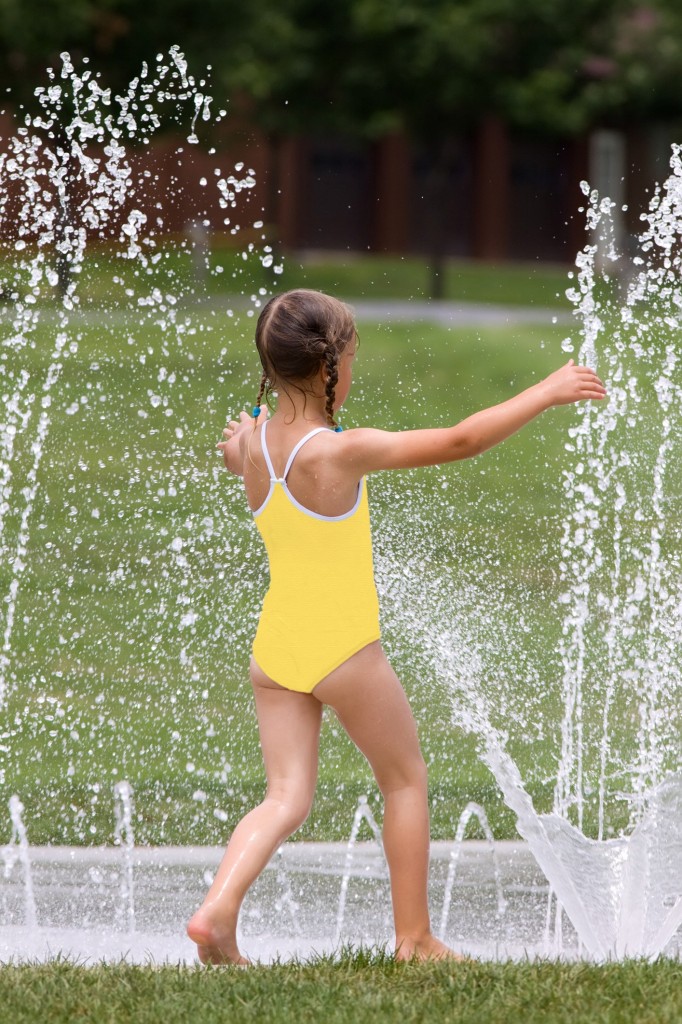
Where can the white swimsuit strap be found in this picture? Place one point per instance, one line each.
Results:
(299, 445)
(266, 453)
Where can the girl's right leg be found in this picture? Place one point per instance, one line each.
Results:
(371, 705)
(289, 727)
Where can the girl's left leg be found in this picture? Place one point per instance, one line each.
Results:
(289, 727)
(371, 705)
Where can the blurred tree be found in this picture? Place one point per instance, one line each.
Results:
(364, 66)
(367, 65)
(33, 33)
(437, 68)
(432, 68)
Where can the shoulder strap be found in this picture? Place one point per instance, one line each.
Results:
(266, 453)
(299, 445)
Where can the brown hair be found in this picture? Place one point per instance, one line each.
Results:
(298, 332)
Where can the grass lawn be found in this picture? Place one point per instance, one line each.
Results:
(144, 574)
(101, 688)
(363, 987)
(525, 284)
(227, 270)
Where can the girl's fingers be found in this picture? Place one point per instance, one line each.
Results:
(244, 418)
(585, 371)
(589, 381)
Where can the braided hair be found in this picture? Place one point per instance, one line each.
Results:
(297, 333)
(331, 359)
(263, 387)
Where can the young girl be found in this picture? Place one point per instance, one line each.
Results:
(318, 639)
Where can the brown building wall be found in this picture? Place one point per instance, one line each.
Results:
(391, 194)
(491, 193)
(504, 197)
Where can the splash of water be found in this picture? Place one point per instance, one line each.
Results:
(66, 180)
(18, 850)
(620, 548)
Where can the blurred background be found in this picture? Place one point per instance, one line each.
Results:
(414, 128)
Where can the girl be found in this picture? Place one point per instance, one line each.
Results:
(317, 641)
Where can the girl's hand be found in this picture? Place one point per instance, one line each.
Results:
(572, 383)
(231, 446)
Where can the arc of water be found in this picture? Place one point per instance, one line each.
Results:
(472, 810)
(532, 828)
(124, 837)
(18, 849)
(363, 812)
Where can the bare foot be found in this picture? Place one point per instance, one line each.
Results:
(428, 948)
(216, 941)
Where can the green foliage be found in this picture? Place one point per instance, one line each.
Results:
(555, 67)
(33, 34)
(589, 61)
(367, 66)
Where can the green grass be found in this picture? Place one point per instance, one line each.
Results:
(362, 987)
(100, 686)
(105, 681)
(408, 277)
(227, 270)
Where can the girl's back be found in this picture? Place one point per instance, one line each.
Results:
(314, 479)
(321, 606)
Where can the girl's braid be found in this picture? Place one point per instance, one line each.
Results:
(263, 383)
(331, 358)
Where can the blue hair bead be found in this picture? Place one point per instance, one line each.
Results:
(256, 410)
(337, 430)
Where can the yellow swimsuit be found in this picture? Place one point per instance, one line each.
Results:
(322, 603)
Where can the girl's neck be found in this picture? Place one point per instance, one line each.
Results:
(309, 409)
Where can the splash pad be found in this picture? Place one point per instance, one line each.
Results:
(106, 666)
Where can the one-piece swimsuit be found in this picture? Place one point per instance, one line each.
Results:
(321, 606)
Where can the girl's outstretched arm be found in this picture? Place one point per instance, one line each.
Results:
(369, 450)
